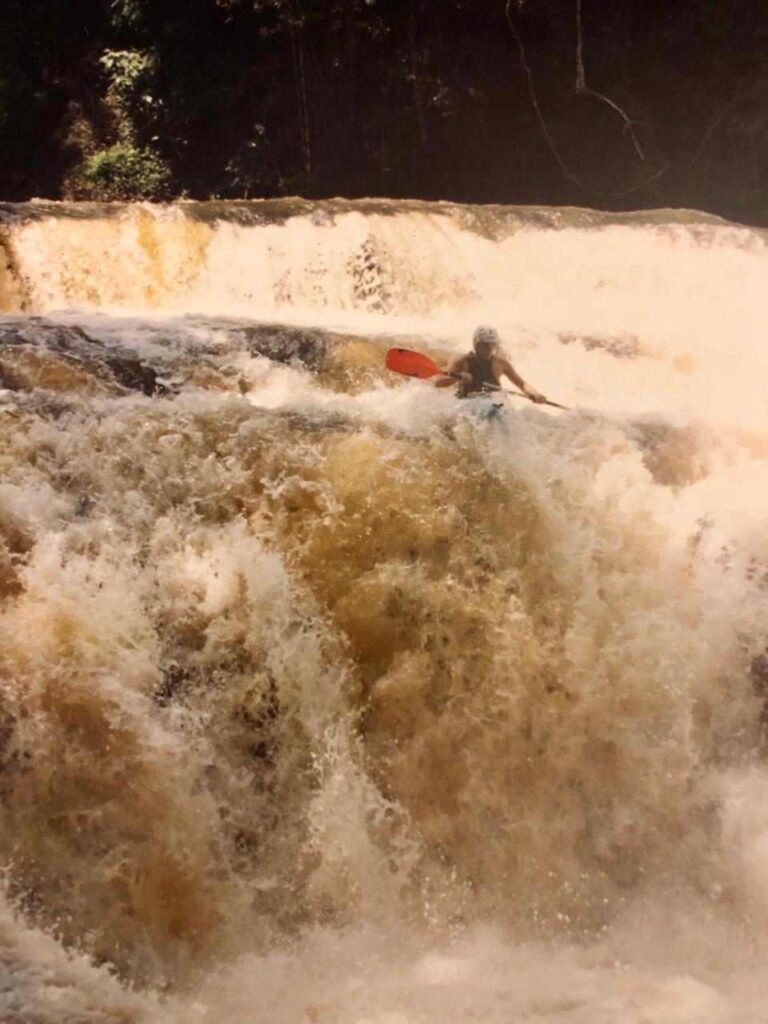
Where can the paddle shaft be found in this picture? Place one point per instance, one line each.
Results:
(508, 391)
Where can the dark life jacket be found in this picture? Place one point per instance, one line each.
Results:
(483, 376)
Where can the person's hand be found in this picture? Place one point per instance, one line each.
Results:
(534, 395)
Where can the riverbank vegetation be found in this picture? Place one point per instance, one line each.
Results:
(635, 103)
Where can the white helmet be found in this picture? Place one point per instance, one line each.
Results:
(485, 336)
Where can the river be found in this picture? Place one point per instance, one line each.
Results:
(323, 701)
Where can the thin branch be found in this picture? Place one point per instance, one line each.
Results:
(581, 78)
(300, 80)
(581, 86)
(585, 90)
(714, 125)
(639, 185)
(628, 129)
(534, 98)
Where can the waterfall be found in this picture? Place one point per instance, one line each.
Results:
(324, 700)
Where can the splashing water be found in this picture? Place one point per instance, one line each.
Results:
(324, 701)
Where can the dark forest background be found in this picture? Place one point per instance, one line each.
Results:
(613, 104)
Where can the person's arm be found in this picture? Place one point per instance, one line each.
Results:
(456, 372)
(507, 369)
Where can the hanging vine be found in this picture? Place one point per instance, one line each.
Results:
(582, 88)
(585, 90)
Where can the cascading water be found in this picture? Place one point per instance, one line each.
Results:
(322, 701)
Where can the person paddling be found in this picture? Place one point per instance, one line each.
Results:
(480, 371)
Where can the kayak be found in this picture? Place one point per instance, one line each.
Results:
(483, 407)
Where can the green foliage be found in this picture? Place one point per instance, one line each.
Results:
(122, 172)
(252, 169)
(127, 13)
(132, 94)
(129, 71)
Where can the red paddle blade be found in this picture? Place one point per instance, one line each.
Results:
(412, 364)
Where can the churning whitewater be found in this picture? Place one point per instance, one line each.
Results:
(323, 701)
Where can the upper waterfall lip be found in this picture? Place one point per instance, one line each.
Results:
(278, 210)
(43, 209)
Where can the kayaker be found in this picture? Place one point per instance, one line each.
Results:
(480, 371)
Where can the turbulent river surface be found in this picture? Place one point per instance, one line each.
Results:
(322, 701)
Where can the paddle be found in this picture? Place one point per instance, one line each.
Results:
(416, 364)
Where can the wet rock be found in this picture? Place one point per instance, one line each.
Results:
(136, 376)
(10, 584)
(152, 359)
(173, 678)
(673, 455)
(758, 674)
(622, 347)
(287, 344)
(23, 368)
(35, 353)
